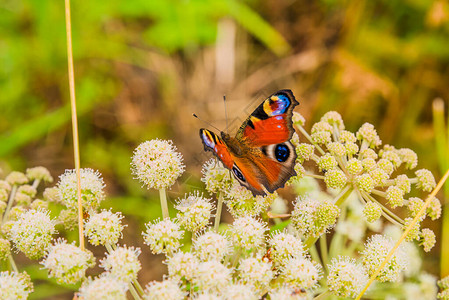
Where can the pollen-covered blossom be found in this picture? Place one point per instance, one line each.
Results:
(425, 287)
(162, 290)
(4, 195)
(211, 246)
(239, 291)
(364, 182)
(39, 173)
(284, 246)
(372, 211)
(428, 239)
(255, 272)
(413, 234)
(92, 186)
(104, 228)
(212, 276)
(395, 196)
(32, 232)
(313, 217)
(4, 185)
(2, 206)
(334, 119)
(241, 202)
(157, 164)
(67, 263)
(346, 277)
(301, 272)
(425, 180)
(304, 151)
(194, 212)
(16, 178)
(248, 233)
(123, 263)
(39, 204)
(68, 218)
(368, 135)
(434, 209)
(335, 178)
(414, 205)
(52, 195)
(288, 292)
(403, 182)
(163, 236)
(5, 249)
(216, 176)
(298, 119)
(104, 287)
(327, 162)
(444, 286)
(376, 249)
(15, 286)
(182, 265)
(321, 133)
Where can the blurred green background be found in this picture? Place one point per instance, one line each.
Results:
(143, 67)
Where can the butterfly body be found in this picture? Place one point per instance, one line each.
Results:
(260, 156)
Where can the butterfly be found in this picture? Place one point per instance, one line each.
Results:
(260, 156)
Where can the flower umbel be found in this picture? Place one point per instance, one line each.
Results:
(67, 263)
(157, 164)
(123, 263)
(32, 232)
(163, 236)
(104, 228)
(92, 189)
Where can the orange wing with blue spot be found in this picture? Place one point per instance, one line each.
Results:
(271, 122)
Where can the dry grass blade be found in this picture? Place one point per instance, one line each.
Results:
(406, 231)
(76, 151)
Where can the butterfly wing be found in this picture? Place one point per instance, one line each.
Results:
(243, 169)
(270, 123)
(261, 156)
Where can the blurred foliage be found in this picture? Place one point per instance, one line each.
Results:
(142, 67)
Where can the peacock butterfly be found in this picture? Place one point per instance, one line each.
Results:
(260, 156)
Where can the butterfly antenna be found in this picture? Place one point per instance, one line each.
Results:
(206, 122)
(226, 111)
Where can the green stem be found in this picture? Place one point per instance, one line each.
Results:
(385, 210)
(164, 204)
(315, 176)
(343, 195)
(138, 287)
(109, 248)
(13, 263)
(236, 257)
(10, 202)
(218, 212)
(323, 249)
(314, 255)
(133, 291)
(36, 183)
(322, 295)
(309, 138)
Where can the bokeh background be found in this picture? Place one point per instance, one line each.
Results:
(143, 67)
